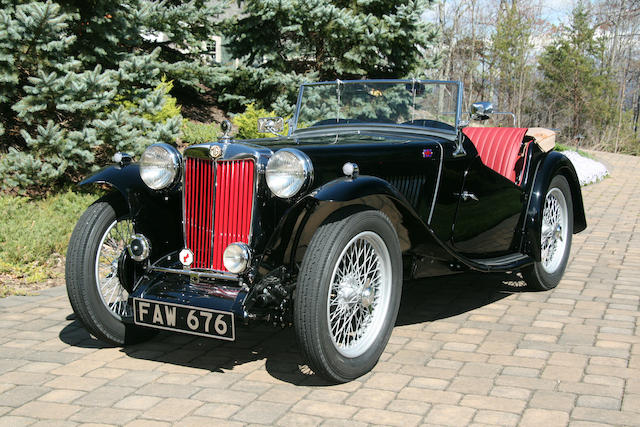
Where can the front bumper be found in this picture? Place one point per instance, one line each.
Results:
(175, 288)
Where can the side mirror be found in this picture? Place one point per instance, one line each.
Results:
(481, 110)
(274, 125)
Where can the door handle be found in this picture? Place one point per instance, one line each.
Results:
(466, 196)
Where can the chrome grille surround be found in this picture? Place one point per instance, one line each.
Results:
(230, 152)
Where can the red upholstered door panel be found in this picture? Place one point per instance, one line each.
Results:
(498, 147)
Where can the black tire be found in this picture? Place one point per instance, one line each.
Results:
(312, 295)
(537, 276)
(80, 274)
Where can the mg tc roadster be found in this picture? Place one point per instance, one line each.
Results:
(376, 182)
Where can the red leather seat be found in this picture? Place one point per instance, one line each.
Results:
(499, 148)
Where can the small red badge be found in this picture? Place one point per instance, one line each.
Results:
(186, 257)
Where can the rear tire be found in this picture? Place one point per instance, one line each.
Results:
(96, 248)
(555, 237)
(348, 294)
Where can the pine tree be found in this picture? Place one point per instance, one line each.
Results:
(576, 82)
(285, 42)
(80, 80)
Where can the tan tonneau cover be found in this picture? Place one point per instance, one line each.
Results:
(545, 138)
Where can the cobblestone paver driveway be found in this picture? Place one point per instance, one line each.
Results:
(467, 349)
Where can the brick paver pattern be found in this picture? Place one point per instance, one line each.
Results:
(466, 349)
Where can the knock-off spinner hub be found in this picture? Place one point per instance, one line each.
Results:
(348, 289)
(557, 233)
(367, 296)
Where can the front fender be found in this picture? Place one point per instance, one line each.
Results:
(299, 223)
(123, 178)
(346, 189)
(157, 215)
(550, 165)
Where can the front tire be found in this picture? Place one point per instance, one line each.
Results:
(555, 237)
(348, 294)
(96, 258)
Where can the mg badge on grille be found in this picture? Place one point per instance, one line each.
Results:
(215, 151)
(186, 257)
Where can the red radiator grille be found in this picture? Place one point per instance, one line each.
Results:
(199, 182)
(234, 200)
(229, 215)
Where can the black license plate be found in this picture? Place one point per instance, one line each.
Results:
(184, 318)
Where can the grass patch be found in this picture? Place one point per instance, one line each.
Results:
(34, 234)
(563, 147)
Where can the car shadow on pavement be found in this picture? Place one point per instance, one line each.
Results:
(435, 298)
(275, 348)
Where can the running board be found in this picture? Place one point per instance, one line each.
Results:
(504, 263)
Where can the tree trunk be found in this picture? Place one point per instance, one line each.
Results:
(621, 99)
(636, 114)
(473, 50)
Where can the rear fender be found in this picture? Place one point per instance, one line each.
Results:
(157, 215)
(552, 164)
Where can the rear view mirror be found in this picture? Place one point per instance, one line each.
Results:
(274, 125)
(481, 110)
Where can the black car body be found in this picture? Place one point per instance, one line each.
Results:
(442, 187)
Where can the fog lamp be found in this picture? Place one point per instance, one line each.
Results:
(139, 247)
(236, 257)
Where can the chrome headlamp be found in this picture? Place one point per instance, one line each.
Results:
(288, 170)
(159, 166)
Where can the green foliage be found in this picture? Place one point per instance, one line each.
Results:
(35, 233)
(576, 83)
(170, 107)
(247, 123)
(199, 133)
(285, 42)
(564, 147)
(510, 44)
(81, 80)
(623, 139)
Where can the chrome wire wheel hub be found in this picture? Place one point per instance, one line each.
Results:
(112, 246)
(359, 294)
(555, 228)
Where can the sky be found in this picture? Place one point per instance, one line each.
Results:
(554, 11)
(557, 11)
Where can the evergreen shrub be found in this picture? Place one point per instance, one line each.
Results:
(287, 42)
(82, 80)
(199, 133)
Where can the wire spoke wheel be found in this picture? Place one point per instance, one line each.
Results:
(555, 228)
(359, 294)
(108, 258)
(348, 293)
(99, 271)
(555, 237)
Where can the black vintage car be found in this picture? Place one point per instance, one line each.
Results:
(376, 182)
